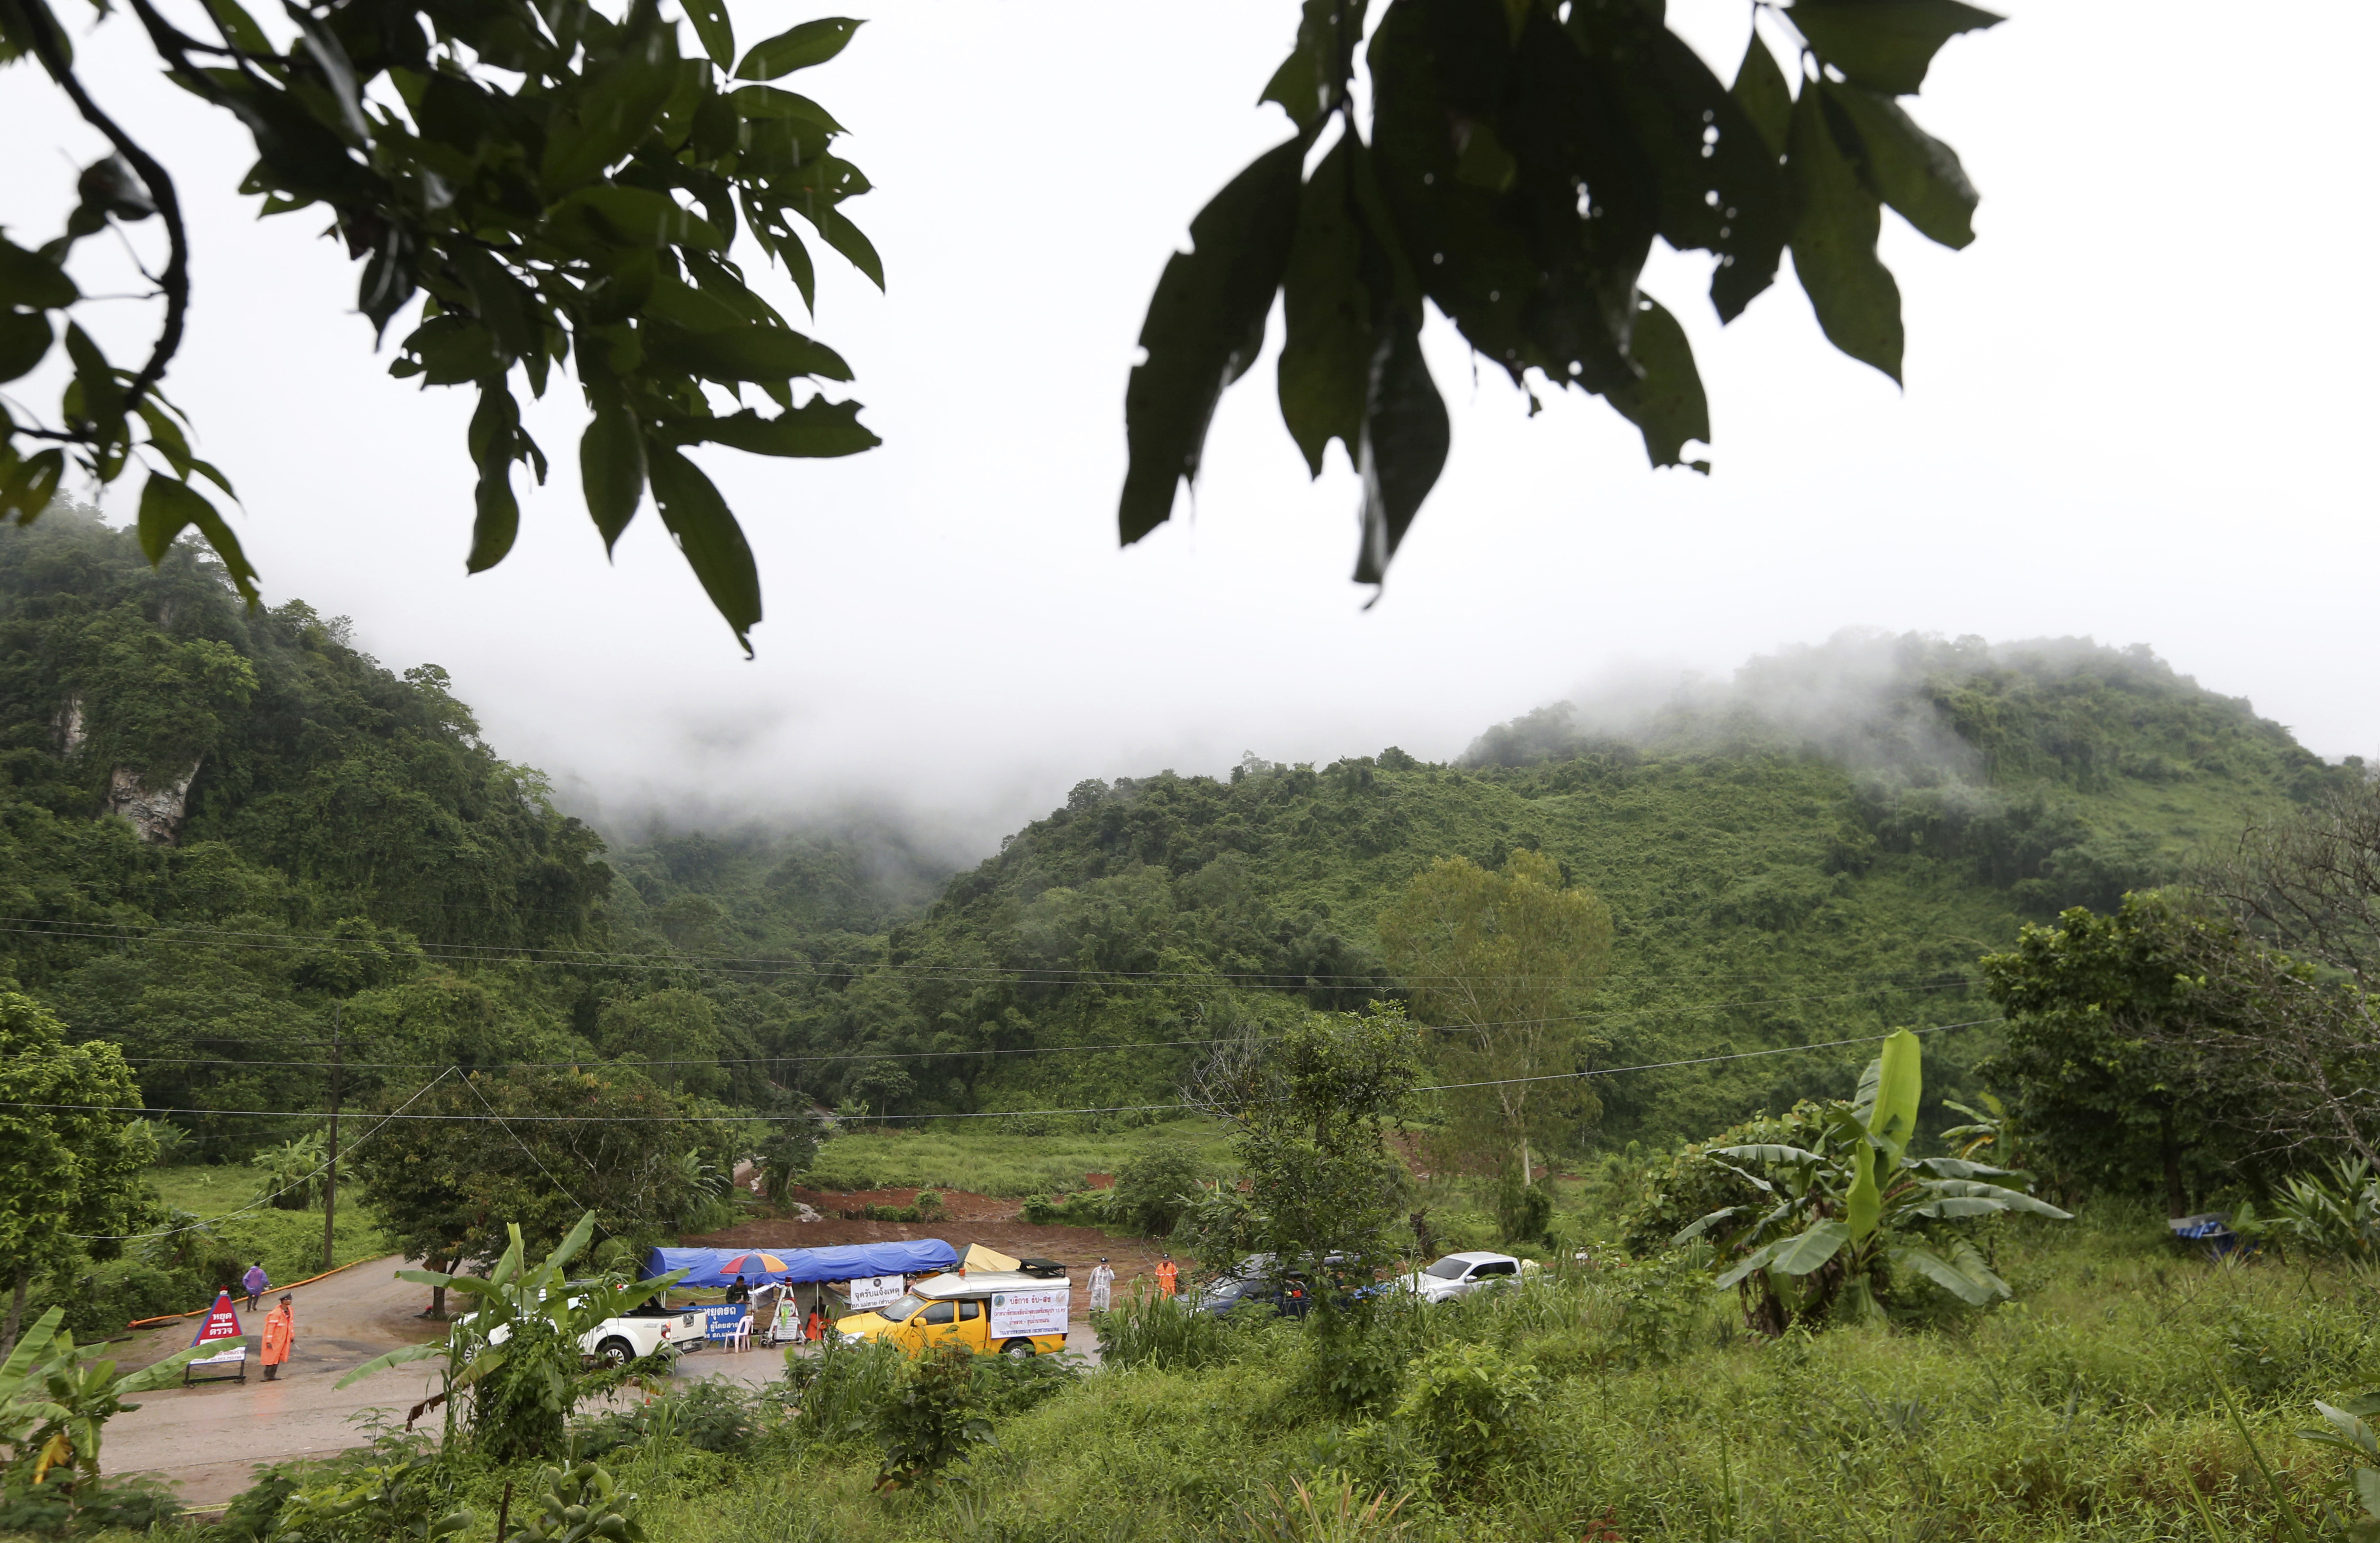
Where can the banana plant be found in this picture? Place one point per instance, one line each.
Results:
(526, 1329)
(1830, 1217)
(57, 1397)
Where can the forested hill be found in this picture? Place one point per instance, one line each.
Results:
(1819, 850)
(217, 827)
(193, 798)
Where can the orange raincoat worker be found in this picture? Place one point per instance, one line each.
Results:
(279, 1332)
(1169, 1276)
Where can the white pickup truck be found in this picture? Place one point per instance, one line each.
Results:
(615, 1342)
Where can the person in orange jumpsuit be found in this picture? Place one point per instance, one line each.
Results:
(1169, 1276)
(280, 1330)
(814, 1329)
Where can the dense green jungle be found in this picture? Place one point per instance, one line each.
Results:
(219, 827)
(270, 869)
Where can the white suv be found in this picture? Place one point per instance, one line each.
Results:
(1460, 1275)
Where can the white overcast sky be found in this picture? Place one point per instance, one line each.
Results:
(2131, 414)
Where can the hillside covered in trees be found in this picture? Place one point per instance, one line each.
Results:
(216, 827)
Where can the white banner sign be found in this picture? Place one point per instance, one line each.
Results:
(1018, 1313)
(873, 1291)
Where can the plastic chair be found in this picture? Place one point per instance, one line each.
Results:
(740, 1337)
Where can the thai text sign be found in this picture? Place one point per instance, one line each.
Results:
(873, 1291)
(1017, 1313)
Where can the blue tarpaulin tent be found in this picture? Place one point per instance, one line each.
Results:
(707, 1268)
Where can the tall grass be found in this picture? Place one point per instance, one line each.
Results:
(993, 1162)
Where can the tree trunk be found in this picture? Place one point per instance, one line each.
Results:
(16, 1312)
(437, 1294)
(2176, 1202)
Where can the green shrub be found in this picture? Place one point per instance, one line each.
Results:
(932, 1419)
(1471, 1407)
(835, 1393)
(1154, 1188)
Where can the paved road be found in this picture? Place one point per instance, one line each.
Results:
(209, 1439)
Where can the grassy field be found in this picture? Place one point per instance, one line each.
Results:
(289, 1242)
(989, 1161)
(2132, 1393)
(2118, 1391)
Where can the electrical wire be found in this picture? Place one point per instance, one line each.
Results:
(978, 1115)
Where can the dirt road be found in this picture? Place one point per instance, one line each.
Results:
(209, 1437)
(208, 1440)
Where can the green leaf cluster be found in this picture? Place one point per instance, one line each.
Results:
(556, 185)
(1523, 156)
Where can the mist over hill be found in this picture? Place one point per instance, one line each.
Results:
(194, 796)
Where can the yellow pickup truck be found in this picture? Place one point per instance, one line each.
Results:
(996, 1313)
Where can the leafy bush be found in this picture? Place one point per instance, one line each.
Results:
(1153, 1188)
(408, 1498)
(109, 1504)
(1470, 1407)
(931, 1421)
(1145, 1330)
(2334, 1213)
(1088, 1207)
(711, 1415)
(835, 1393)
(1332, 1510)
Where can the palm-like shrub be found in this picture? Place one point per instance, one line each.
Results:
(1827, 1218)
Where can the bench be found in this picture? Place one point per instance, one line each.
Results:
(223, 1365)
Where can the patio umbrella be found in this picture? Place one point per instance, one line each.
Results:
(755, 1262)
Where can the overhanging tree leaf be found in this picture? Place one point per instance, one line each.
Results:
(1666, 403)
(1834, 245)
(1406, 441)
(1326, 310)
(1205, 328)
(1885, 45)
(708, 534)
(1908, 168)
(812, 43)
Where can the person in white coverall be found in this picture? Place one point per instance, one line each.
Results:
(1102, 1281)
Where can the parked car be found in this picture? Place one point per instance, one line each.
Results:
(615, 1342)
(990, 1312)
(1460, 1274)
(1258, 1280)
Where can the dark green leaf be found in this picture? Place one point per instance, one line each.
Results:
(612, 464)
(1309, 82)
(504, 303)
(496, 426)
(708, 536)
(716, 32)
(241, 27)
(169, 507)
(31, 280)
(1667, 404)
(30, 485)
(1760, 89)
(743, 353)
(102, 394)
(449, 350)
(622, 216)
(1325, 360)
(1834, 245)
(1885, 45)
(846, 239)
(25, 338)
(1406, 440)
(1907, 167)
(812, 43)
(771, 102)
(815, 428)
(1205, 328)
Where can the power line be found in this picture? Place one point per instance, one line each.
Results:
(766, 966)
(978, 1115)
(1601, 1017)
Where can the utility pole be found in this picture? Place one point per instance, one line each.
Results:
(331, 1169)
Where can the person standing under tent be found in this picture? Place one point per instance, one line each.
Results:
(280, 1333)
(1169, 1275)
(256, 1283)
(1102, 1283)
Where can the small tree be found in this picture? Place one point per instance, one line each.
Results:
(517, 1355)
(1502, 962)
(2131, 1058)
(1154, 1187)
(72, 1152)
(1311, 1113)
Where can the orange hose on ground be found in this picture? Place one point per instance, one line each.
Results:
(168, 1317)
